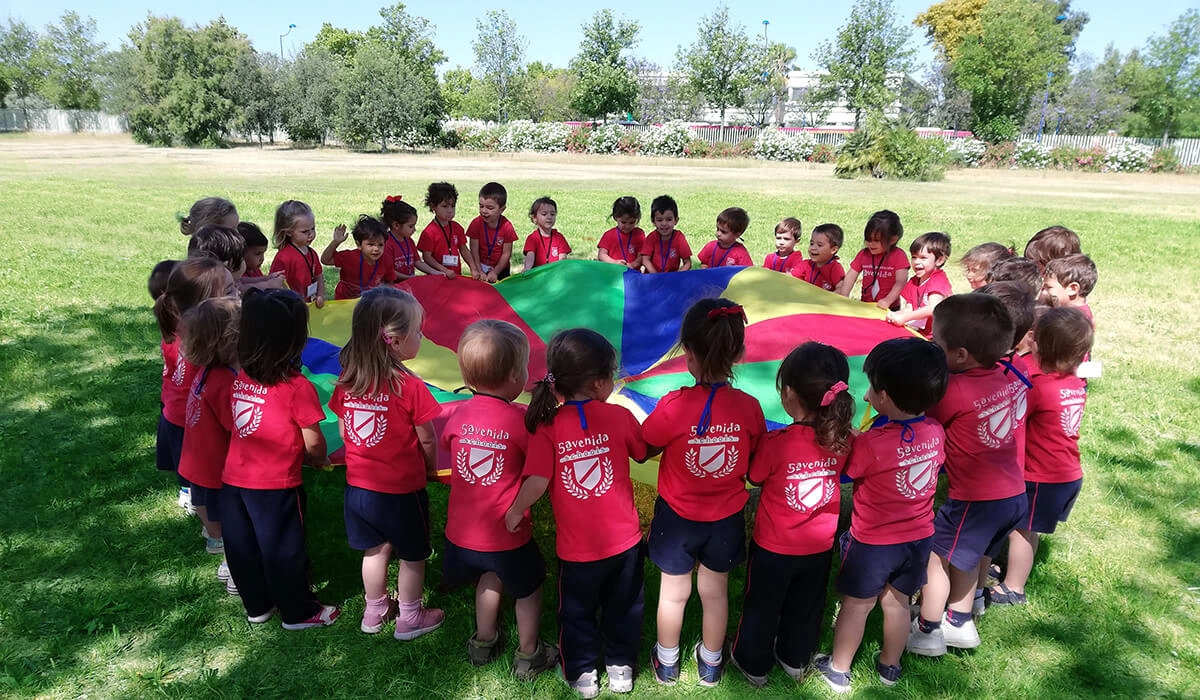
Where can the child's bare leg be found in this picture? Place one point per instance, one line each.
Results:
(1022, 548)
(212, 527)
(713, 588)
(374, 571)
(848, 630)
(985, 570)
(673, 595)
(487, 606)
(936, 591)
(962, 589)
(895, 626)
(410, 581)
(529, 617)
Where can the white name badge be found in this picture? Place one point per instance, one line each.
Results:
(312, 290)
(1089, 370)
(449, 260)
(486, 268)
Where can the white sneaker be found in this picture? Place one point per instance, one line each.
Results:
(926, 643)
(965, 637)
(223, 572)
(185, 500)
(978, 606)
(259, 619)
(587, 685)
(231, 587)
(620, 678)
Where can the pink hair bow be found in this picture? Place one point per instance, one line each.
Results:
(831, 395)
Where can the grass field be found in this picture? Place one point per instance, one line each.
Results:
(107, 589)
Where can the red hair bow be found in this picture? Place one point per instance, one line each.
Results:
(394, 198)
(735, 310)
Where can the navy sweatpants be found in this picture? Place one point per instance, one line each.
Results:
(611, 591)
(265, 549)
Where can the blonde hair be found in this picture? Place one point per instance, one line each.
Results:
(210, 332)
(191, 282)
(382, 316)
(285, 217)
(210, 210)
(490, 352)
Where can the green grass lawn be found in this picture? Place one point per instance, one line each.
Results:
(107, 591)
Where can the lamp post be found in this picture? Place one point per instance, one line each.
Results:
(289, 31)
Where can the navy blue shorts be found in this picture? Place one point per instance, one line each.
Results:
(209, 498)
(1049, 504)
(966, 531)
(676, 543)
(400, 519)
(869, 568)
(521, 570)
(168, 446)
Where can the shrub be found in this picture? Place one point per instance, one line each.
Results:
(630, 142)
(698, 148)
(890, 151)
(479, 137)
(823, 154)
(1164, 160)
(577, 142)
(782, 146)
(670, 139)
(965, 153)
(605, 139)
(1128, 158)
(1029, 154)
(998, 155)
(524, 135)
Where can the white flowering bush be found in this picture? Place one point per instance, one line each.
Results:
(1030, 154)
(1128, 158)
(670, 139)
(524, 135)
(780, 145)
(475, 136)
(413, 140)
(605, 139)
(966, 153)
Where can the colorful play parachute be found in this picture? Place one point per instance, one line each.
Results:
(639, 313)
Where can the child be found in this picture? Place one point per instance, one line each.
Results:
(928, 285)
(792, 545)
(979, 261)
(545, 245)
(224, 244)
(157, 284)
(255, 244)
(364, 268)
(584, 449)
(486, 438)
(787, 235)
(727, 249)
(1068, 282)
(822, 268)
(295, 230)
(443, 243)
(210, 210)
(492, 234)
(980, 412)
(894, 467)
(707, 434)
(623, 243)
(209, 343)
(668, 250)
(884, 267)
(400, 219)
(191, 282)
(1050, 243)
(1017, 269)
(385, 416)
(1053, 476)
(276, 416)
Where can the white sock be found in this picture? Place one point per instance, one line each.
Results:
(710, 657)
(668, 656)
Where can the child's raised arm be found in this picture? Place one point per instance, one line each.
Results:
(339, 237)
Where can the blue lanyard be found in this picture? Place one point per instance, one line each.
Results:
(491, 242)
(713, 258)
(907, 433)
(625, 245)
(1010, 367)
(582, 417)
(706, 414)
(782, 261)
(361, 265)
(405, 248)
(665, 252)
(204, 378)
(816, 272)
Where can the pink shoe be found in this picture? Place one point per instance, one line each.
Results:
(375, 617)
(327, 616)
(426, 620)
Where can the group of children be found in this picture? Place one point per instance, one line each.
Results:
(994, 398)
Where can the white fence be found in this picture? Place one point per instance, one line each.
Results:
(1187, 150)
(62, 121)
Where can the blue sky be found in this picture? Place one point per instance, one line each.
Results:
(554, 34)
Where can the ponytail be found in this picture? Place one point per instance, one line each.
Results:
(819, 377)
(832, 423)
(714, 330)
(573, 358)
(543, 404)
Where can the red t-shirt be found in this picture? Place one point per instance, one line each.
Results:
(443, 244)
(701, 477)
(786, 263)
(915, 295)
(266, 447)
(713, 255)
(486, 439)
(206, 432)
(491, 240)
(256, 272)
(402, 254)
(379, 430)
(546, 249)
(981, 412)
(668, 254)
(357, 275)
(627, 248)
(1055, 411)
(826, 277)
(1021, 364)
(878, 272)
(895, 481)
(300, 270)
(590, 488)
(798, 513)
(177, 381)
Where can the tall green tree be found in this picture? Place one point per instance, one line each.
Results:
(308, 95)
(382, 97)
(1170, 93)
(861, 62)
(720, 65)
(605, 82)
(254, 85)
(548, 93)
(767, 98)
(23, 66)
(499, 57)
(74, 57)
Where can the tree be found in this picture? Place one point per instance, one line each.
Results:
(499, 56)
(869, 49)
(663, 96)
(720, 66)
(548, 93)
(255, 85)
(74, 58)
(1097, 98)
(23, 66)
(1173, 86)
(947, 23)
(337, 43)
(767, 97)
(949, 105)
(308, 95)
(605, 82)
(383, 97)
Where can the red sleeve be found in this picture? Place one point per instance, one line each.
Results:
(345, 258)
(760, 463)
(223, 402)
(566, 245)
(837, 273)
(507, 232)
(606, 242)
(660, 427)
(940, 284)
(531, 243)
(859, 260)
(539, 456)
(681, 245)
(861, 458)
(306, 407)
(900, 259)
(428, 242)
(294, 271)
(424, 407)
(633, 437)
(706, 253)
(648, 245)
(457, 234)
(743, 257)
(943, 411)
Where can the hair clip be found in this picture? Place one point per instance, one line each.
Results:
(831, 395)
(394, 198)
(548, 379)
(384, 334)
(721, 311)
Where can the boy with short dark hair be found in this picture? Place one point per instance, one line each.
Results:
(1052, 242)
(928, 284)
(727, 249)
(666, 250)
(492, 234)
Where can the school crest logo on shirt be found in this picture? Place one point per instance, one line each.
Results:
(192, 414)
(479, 464)
(917, 479)
(177, 375)
(809, 493)
(996, 425)
(587, 477)
(247, 416)
(716, 461)
(1071, 417)
(365, 428)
